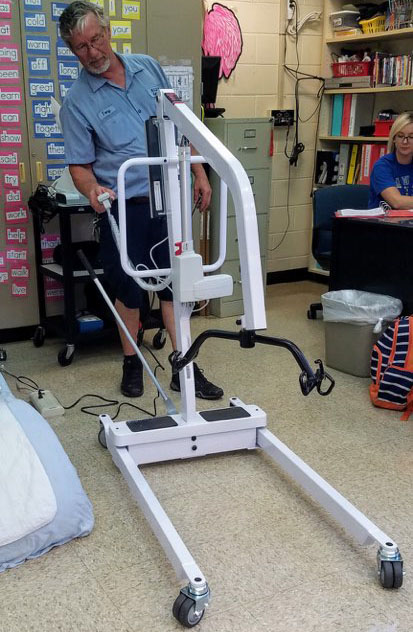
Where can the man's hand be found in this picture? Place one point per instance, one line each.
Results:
(93, 195)
(202, 187)
(85, 181)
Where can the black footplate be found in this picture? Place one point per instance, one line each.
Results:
(153, 423)
(222, 414)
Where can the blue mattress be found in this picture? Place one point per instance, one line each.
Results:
(74, 517)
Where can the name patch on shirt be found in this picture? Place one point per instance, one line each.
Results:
(106, 112)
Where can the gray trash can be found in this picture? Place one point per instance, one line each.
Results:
(353, 321)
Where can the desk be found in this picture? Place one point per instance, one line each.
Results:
(375, 255)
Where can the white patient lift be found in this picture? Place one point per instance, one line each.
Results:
(188, 433)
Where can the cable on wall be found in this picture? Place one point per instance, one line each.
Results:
(293, 28)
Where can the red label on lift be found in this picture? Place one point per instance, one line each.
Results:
(173, 98)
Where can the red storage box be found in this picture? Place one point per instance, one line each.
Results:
(352, 68)
(382, 128)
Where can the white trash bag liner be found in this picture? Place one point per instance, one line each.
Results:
(357, 307)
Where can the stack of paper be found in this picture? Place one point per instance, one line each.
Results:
(358, 212)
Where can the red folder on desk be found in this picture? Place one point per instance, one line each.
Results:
(400, 213)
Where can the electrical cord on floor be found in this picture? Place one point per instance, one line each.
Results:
(22, 379)
(108, 402)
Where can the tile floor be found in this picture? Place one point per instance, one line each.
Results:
(274, 560)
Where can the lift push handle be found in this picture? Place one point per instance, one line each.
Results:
(247, 339)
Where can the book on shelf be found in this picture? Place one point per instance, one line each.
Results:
(350, 112)
(345, 121)
(337, 114)
(356, 161)
(361, 112)
(370, 153)
(392, 70)
(352, 164)
(343, 161)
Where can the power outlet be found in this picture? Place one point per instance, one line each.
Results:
(46, 403)
(282, 117)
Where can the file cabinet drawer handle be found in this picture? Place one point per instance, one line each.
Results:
(246, 148)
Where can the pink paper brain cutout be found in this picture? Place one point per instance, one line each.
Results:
(222, 37)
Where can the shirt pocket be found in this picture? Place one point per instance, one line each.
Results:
(117, 131)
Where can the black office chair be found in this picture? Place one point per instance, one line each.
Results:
(326, 202)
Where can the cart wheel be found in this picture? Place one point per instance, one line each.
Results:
(398, 574)
(65, 356)
(102, 438)
(159, 339)
(391, 574)
(316, 310)
(184, 611)
(39, 336)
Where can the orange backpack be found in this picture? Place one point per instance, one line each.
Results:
(392, 368)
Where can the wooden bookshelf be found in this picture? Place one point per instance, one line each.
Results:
(382, 89)
(355, 139)
(395, 34)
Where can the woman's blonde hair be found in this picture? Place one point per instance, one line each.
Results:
(406, 118)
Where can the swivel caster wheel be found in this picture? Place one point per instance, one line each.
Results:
(102, 438)
(39, 336)
(184, 611)
(159, 339)
(65, 356)
(391, 574)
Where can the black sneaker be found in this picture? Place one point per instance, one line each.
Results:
(203, 388)
(132, 378)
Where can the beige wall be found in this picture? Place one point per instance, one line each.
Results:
(258, 85)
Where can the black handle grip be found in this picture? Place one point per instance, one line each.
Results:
(86, 263)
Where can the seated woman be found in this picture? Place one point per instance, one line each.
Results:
(391, 178)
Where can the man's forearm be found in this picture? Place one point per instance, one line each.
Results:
(83, 178)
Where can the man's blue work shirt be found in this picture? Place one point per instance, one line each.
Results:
(104, 124)
(388, 172)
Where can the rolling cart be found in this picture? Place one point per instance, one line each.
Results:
(64, 325)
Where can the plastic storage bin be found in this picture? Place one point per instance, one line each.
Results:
(344, 20)
(353, 321)
(382, 128)
(375, 25)
(351, 68)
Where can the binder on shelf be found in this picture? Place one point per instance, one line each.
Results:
(345, 121)
(352, 164)
(361, 112)
(343, 162)
(337, 114)
(366, 163)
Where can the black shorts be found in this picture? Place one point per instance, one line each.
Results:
(143, 233)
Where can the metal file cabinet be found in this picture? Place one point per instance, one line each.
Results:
(249, 139)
